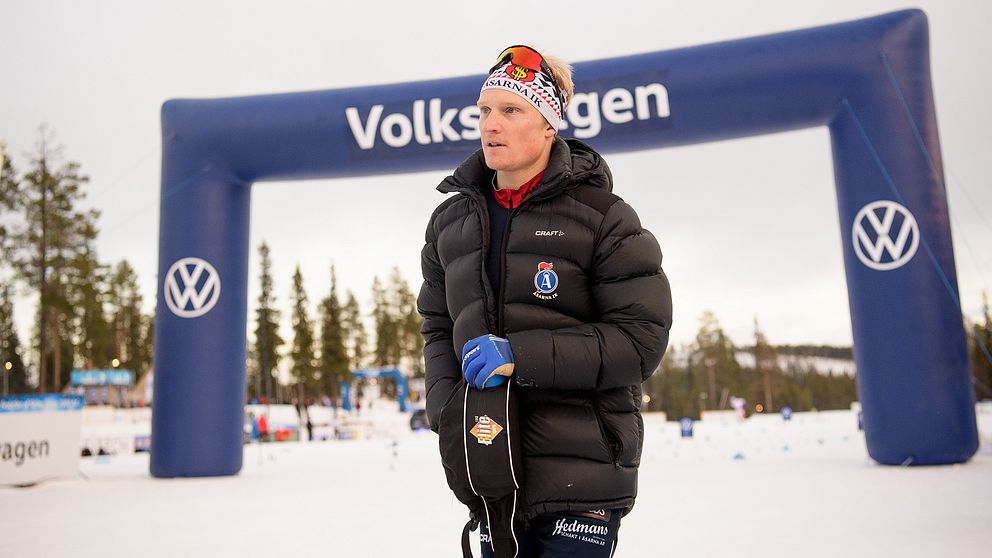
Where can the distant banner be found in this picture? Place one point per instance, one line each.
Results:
(39, 437)
(40, 403)
(101, 378)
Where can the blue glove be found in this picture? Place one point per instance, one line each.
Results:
(487, 361)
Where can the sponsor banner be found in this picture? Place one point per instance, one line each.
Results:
(40, 403)
(39, 437)
(626, 103)
(101, 378)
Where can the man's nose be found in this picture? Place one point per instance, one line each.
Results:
(492, 123)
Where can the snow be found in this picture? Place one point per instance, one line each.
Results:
(802, 488)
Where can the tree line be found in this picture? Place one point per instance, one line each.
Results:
(704, 374)
(89, 316)
(980, 350)
(88, 312)
(326, 347)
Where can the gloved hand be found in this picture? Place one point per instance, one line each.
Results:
(487, 361)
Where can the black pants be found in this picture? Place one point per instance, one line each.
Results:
(591, 534)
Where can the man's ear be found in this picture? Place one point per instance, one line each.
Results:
(549, 132)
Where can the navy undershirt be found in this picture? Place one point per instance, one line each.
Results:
(498, 217)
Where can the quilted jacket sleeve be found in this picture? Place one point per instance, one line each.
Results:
(443, 369)
(634, 300)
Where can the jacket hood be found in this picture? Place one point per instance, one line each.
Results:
(572, 162)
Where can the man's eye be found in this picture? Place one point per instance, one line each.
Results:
(484, 110)
(512, 109)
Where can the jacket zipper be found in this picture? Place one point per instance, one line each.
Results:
(502, 273)
(480, 205)
(502, 259)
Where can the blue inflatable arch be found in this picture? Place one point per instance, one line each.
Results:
(867, 80)
(401, 383)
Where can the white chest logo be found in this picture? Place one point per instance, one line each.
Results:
(546, 281)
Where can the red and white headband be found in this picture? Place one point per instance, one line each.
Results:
(536, 87)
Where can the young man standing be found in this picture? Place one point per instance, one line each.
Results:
(536, 273)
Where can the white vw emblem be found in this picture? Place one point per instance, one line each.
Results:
(871, 251)
(192, 287)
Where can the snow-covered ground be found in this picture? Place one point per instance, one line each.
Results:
(761, 488)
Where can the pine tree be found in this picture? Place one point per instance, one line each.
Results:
(408, 324)
(659, 387)
(15, 376)
(147, 345)
(386, 351)
(793, 390)
(304, 369)
(674, 388)
(9, 199)
(356, 339)
(980, 344)
(61, 351)
(265, 351)
(87, 294)
(765, 363)
(127, 322)
(43, 247)
(713, 364)
(333, 366)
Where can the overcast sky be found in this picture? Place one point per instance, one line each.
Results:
(748, 227)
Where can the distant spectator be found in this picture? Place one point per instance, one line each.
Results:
(263, 428)
(254, 427)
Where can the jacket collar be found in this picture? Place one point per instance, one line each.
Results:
(509, 197)
(570, 161)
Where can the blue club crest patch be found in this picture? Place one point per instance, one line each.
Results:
(546, 281)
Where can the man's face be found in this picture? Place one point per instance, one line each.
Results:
(514, 134)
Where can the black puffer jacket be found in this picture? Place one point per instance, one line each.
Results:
(581, 350)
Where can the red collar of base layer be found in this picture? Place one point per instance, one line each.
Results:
(511, 198)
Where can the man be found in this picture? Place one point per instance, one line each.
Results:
(535, 272)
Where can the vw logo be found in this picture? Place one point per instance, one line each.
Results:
(888, 241)
(192, 287)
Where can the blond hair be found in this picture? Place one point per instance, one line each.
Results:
(563, 75)
(562, 71)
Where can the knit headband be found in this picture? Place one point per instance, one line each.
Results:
(537, 88)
